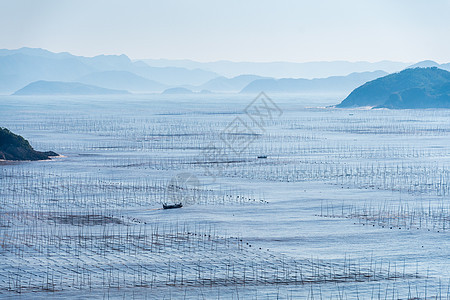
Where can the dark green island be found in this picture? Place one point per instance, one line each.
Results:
(14, 147)
(409, 89)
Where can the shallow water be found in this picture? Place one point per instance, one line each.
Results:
(315, 207)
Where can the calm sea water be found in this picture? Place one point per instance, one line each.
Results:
(338, 191)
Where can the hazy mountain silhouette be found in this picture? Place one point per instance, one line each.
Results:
(340, 84)
(35, 52)
(22, 66)
(177, 91)
(122, 80)
(18, 69)
(308, 70)
(430, 64)
(235, 84)
(42, 87)
(174, 75)
(411, 88)
(424, 64)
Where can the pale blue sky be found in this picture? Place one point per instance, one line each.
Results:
(252, 30)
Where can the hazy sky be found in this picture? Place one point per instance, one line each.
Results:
(241, 30)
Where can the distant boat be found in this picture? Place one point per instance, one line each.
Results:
(262, 156)
(171, 206)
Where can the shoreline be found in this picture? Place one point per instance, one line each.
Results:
(49, 159)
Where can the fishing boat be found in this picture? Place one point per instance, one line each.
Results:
(171, 206)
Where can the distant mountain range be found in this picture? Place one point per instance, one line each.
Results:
(410, 88)
(123, 80)
(307, 70)
(338, 84)
(234, 84)
(23, 66)
(43, 87)
(430, 64)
